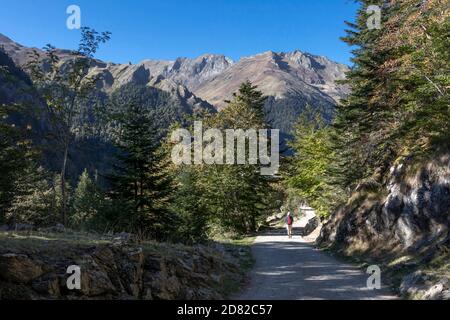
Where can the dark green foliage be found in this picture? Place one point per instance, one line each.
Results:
(163, 107)
(283, 113)
(16, 159)
(87, 203)
(138, 180)
(238, 197)
(37, 200)
(399, 105)
(192, 217)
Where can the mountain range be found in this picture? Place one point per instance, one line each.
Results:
(289, 80)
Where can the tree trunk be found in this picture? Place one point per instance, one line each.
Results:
(63, 187)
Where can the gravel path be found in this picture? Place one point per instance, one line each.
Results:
(292, 269)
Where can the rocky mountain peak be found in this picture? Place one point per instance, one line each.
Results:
(4, 39)
(290, 80)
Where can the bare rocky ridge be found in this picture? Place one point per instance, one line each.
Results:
(279, 75)
(290, 80)
(114, 76)
(191, 73)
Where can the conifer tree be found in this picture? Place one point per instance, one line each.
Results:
(138, 179)
(399, 103)
(191, 215)
(17, 158)
(87, 202)
(238, 196)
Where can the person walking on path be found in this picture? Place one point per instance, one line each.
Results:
(289, 223)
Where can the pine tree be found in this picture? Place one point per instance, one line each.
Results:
(17, 158)
(87, 202)
(399, 104)
(238, 196)
(187, 206)
(36, 201)
(138, 179)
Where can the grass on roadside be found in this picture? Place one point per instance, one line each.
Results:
(240, 248)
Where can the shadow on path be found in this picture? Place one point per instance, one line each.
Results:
(293, 269)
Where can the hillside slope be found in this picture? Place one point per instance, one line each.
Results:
(165, 100)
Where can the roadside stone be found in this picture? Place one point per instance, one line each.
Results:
(412, 283)
(12, 291)
(47, 284)
(94, 281)
(132, 269)
(445, 295)
(434, 292)
(308, 223)
(147, 294)
(119, 272)
(19, 268)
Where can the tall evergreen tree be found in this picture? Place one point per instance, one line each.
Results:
(238, 196)
(37, 199)
(17, 157)
(138, 179)
(188, 207)
(88, 201)
(399, 103)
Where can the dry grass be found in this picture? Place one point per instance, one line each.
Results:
(34, 242)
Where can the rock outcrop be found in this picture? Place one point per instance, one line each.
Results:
(308, 223)
(121, 271)
(403, 224)
(19, 268)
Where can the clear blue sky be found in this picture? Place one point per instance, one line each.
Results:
(166, 29)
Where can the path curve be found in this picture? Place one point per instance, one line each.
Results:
(293, 269)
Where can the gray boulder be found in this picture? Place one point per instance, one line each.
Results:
(308, 223)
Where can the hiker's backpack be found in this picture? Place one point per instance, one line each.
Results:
(290, 220)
